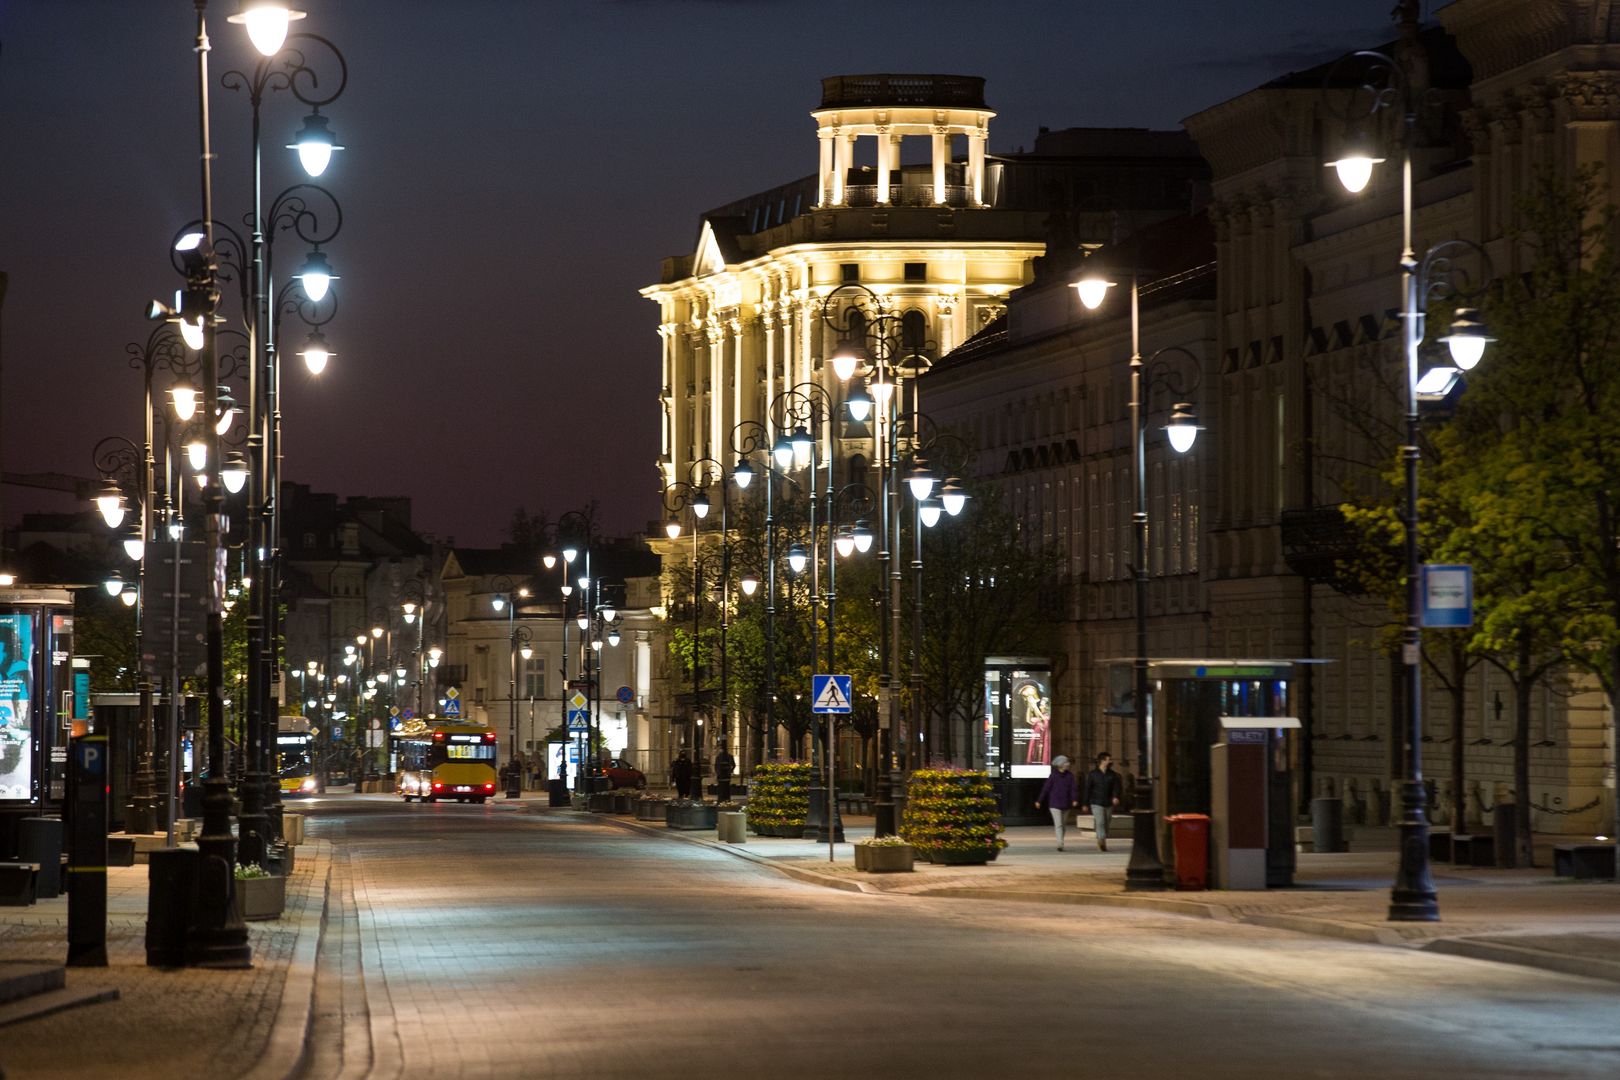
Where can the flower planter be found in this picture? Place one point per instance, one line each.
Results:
(678, 815)
(624, 802)
(259, 898)
(650, 809)
(884, 858)
(953, 817)
(601, 802)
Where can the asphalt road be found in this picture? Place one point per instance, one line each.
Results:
(487, 941)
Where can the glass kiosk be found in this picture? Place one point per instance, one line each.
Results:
(1187, 702)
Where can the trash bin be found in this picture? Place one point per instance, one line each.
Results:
(1327, 825)
(40, 841)
(1505, 822)
(171, 901)
(1190, 834)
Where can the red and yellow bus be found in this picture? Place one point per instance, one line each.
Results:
(446, 761)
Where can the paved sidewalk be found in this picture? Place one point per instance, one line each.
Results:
(171, 1023)
(1514, 916)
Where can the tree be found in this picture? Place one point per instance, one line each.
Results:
(988, 589)
(1542, 416)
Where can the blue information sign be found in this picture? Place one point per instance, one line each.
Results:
(1448, 595)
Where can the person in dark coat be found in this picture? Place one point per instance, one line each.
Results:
(724, 766)
(680, 774)
(1102, 795)
(1060, 792)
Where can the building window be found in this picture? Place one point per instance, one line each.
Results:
(916, 272)
(852, 271)
(533, 684)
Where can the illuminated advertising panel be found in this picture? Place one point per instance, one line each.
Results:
(18, 731)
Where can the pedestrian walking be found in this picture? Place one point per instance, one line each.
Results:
(1102, 795)
(680, 774)
(1059, 794)
(724, 766)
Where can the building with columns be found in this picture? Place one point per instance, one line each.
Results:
(943, 239)
(1296, 315)
(740, 317)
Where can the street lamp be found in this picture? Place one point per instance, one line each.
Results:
(283, 63)
(893, 348)
(506, 597)
(1386, 85)
(692, 494)
(1145, 870)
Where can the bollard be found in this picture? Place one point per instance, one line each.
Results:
(732, 827)
(1506, 827)
(171, 896)
(1327, 825)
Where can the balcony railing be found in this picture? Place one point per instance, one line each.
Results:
(866, 195)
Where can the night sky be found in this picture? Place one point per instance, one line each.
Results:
(514, 173)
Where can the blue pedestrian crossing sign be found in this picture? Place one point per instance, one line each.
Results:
(452, 702)
(579, 712)
(829, 693)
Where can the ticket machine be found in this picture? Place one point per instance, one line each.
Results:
(1195, 705)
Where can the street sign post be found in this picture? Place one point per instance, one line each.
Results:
(452, 702)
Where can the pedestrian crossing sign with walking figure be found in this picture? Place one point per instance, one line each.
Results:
(829, 693)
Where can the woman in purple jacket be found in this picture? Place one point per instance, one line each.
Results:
(1060, 792)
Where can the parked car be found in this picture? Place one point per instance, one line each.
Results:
(621, 773)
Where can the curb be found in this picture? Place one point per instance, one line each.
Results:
(1190, 908)
(286, 1048)
(1503, 953)
(694, 836)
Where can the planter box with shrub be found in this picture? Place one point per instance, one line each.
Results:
(878, 857)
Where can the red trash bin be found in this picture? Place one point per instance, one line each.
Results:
(1190, 834)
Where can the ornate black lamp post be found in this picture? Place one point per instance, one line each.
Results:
(1385, 86)
(1146, 870)
(693, 495)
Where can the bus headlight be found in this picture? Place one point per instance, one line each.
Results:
(309, 785)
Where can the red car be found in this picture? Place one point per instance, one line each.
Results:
(621, 774)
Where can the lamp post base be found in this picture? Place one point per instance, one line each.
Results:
(1413, 899)
(217, 937)
(883, 823)
(1145, 871)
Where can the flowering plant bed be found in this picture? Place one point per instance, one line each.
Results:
(779, 798)
(952, 816)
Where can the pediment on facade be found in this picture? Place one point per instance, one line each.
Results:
(708, 258)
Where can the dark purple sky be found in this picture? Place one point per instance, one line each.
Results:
(515, 170)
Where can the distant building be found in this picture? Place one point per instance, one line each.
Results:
(525, 699)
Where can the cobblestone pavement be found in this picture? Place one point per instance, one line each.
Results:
(497, 943)
(164, 1023)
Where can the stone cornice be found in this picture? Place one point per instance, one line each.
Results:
(1500, 35)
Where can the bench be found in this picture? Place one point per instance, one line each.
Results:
(1583, 861)
(851, 802)
(18, 882)
(1440, 845)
